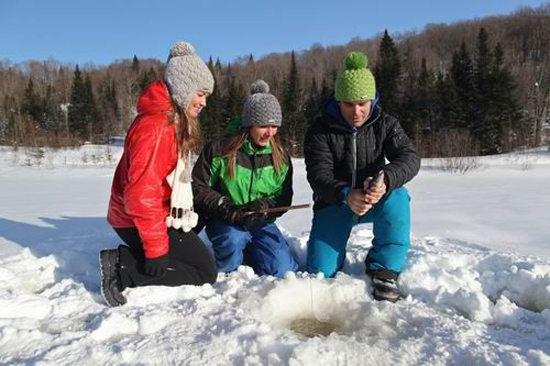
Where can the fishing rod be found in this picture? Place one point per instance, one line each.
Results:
(279, 209)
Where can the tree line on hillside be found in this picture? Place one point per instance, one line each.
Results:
(475, 87)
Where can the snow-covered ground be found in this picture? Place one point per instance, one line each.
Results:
(477, 278)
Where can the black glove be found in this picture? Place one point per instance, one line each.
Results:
(236, 215)
(256, 205)
(156, 267)
(233, 214)
(254, 220)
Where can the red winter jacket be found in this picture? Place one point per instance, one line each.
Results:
(140, 195)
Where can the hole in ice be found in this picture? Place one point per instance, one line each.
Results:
(311, 327)
(314, 306)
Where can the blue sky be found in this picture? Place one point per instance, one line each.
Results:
(102, 31)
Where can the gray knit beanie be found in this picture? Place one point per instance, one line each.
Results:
(186, 73)
(261, 108)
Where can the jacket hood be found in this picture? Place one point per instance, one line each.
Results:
(332, 109)
(154, 99)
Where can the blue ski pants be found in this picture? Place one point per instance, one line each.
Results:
(263, 248)
(332, 226)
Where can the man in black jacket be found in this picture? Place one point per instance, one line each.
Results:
(344, 149)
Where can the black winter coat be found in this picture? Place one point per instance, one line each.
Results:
(338, 155)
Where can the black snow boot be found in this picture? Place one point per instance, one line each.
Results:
(111, 288)
(384, 283)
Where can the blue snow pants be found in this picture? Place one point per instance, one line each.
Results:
(263, 248)
(332, 226)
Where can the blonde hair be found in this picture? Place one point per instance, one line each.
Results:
(229, 152)
(188, 131)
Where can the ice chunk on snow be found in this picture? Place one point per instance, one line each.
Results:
(113, 325)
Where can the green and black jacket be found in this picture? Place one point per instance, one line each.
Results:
(255, 177)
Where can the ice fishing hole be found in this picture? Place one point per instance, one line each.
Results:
(311, 327)
(314, 307)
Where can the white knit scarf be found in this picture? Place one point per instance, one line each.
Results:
(181, 215)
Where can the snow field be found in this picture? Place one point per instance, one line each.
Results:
(468, 303)
(469, 300)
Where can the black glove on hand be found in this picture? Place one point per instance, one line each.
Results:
(156, 267)
(256, 205)
(234, 215)
(252, 221)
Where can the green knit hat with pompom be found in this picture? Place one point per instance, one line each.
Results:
(355, 82)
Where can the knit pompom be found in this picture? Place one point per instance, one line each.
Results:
(356, 61)
(182, 49)
(259, 86)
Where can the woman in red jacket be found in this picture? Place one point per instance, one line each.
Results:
(166, 125)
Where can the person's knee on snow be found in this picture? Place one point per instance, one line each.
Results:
(329, 235)
(228, 243)
(323, 258)
(270, 253)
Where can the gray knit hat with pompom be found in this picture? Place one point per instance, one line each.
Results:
(186, 73)
(261, 108)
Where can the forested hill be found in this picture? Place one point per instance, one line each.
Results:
(476, 86)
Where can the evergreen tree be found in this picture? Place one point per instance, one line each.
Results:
(408, 110)
(8, 128)
(83, 112)
(218, 66)
(51, 112)
(251, 68)
(450, 113)
(77, 105)
(31, 103)
(108, 106)
(388, 74)
(462, 77)
(426, 98)
(486, 132)
(92, 116)
(294, 125)
(233, 99)
(240, 97)
(313, 103)
(409, 107)
(211, 116)
(135, 65)
(504, 116)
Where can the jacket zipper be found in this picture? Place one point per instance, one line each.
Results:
(354, 172)
(253, 163)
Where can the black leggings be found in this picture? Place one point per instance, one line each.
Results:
(190, 260)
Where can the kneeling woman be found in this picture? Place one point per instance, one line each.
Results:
(238, 176)
(166, 126)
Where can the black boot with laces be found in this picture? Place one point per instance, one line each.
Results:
(384, 284)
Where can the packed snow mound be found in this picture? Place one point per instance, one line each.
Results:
(481, 284)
